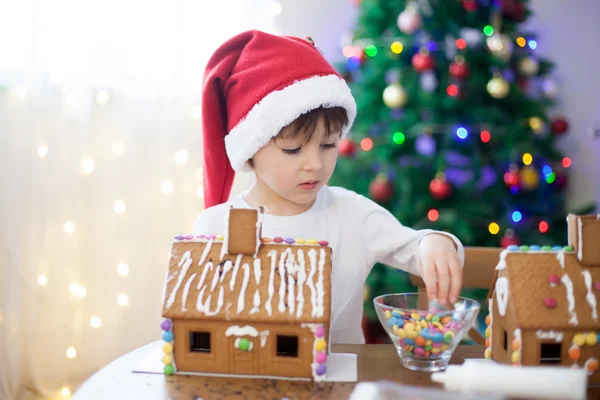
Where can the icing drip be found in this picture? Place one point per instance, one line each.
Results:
(301, 280)
(186, 291)
(226, 268)
(281, 306)
(205, 253)
(241, 298)
(257, 270)
(170, 278)
(186, 261)
(502, 294)
(226, 236)
(271, 289)
(257, 273)
(560, 256)
(291, 301)
(312, 257)
(255, 303)
(199, 305)
(258, 226)
(591, 299)
(570, 299)
(558, 336)
(579, 239)
(238, 260)
(502, 264)
(238, 331)
(320, 286)
(215, 278)
(263, 338)
(219, 304)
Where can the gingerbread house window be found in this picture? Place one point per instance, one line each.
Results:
(200, 342)
(550, 353)
(287, 346)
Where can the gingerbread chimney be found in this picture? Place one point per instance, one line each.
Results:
(584, 237)
(244, 231)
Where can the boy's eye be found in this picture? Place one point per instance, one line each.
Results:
(291, 151)
(329, 146)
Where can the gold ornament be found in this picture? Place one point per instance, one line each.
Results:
(394, 96)
(498, 87)
(500, 46)
(530, 178)
(536, 124)
(529, 66)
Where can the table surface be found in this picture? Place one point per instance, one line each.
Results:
(375, 362)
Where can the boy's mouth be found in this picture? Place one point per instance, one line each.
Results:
(309, 185)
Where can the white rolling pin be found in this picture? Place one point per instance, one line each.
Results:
(528, 382)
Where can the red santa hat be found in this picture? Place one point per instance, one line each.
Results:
(255, 84)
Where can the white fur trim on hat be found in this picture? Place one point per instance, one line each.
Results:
(280, 108)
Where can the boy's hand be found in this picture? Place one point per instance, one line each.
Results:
(440, 267)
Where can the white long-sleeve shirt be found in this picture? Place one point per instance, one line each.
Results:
(360, 232)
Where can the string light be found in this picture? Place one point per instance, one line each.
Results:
(371, 51)
(399, 138)
(366, 144)
(95, 322)
(77, 289)
(102, 97)
(527, 159)
(536, 124)
(547, 170)
(275, 8)
(119, 206)
(42, 150)
(88, 165)
(461, 44)
(200, 192)
(181, 157)
(433, 215)
(123, 269)
(69, 227)
(462, 133)
(65, 391)
(123, 300)
(521, 41)
(550, 178)
(397, 47)
(485, 136)
(118, 148)
(532, 44)
(166, 187)
(494, 228)
(517, 216)
(42, 280)
(488, 30)
(196, 112)
(543, 227)
(71, 352)
(452, 90)
(566, 162)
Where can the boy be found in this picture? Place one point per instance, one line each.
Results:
(273, 105)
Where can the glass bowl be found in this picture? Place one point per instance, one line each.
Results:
(425, 336)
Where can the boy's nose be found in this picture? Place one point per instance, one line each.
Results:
(312, 161)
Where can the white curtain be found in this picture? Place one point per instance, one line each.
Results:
(100, 162)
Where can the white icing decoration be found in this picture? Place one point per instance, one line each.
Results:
(236, 344)
(186, 261)
(226, 236)
(170, 278)
(591, 299)
(570, 299)
(255, 302)
(257, 270)
(291, 301)
(281, 306)
(226, 268)
(238, 260)
(241, 298)
(580, 239)
(271, 289)
(199, 305)
(258, 226)
(206, 251)
(312, 257)
(186, 291)
(219, 304)
(502, 264)
(263, 338)
(558, 336)
(560, 256)
(320, 285)
(236, 330)
(257, 274)
(215, 278)
(502, 294)
(301, 280)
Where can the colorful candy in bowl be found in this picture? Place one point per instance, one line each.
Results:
(425, 337)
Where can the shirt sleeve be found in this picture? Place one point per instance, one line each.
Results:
(391, 243)
(210, 222)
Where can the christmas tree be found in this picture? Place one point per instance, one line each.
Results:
(457, 126)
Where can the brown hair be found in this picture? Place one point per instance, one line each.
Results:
(335, 119)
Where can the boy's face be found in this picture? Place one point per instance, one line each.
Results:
(295, 169)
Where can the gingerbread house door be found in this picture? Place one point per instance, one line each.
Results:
(245, 355)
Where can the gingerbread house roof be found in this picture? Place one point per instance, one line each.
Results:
(284, 280)
(553, 289)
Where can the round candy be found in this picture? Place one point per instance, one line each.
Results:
(411, 334)
(579, 339)
(388, 314)
(428, 348)
(401, 333)
(435, 318)
(516, 345)
(320, 331)
(553, 279)
(167, 336)
(592, 365)
(445, 347)
(278, 239)
(534, 247)
(391, 321)
(513, 247)
(168, 348)
(488, 353)
(320, 345)
(448, 337)
(321, 357)
(428, 317)
(290, 241)
(312, 241)
(487, 332)
(574, 353)
(420, 341)
(419, 351)
(169, 369)
(515, 357)
(409, 326)
(437, 345)
(488, 342)
(446, 320)
(591, 339)
(488, 320)
(321, 370)
(244, 344)
(415, 316)
(167, 359)
(438, 337)
(436, 350)
(400, 322)
(568, 248)
(166, 325)
(524, 248)
(409, 342)
(397, 314)
(300, 241)
(424, 324)
(550, 302)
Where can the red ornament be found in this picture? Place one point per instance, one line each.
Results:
(422, 62)
(550, 302)
(381, 190)
(347, 148)
(459, 70)
(559, 126)
(440, 188)
(512, 178)
(509, 241)
(470, 5)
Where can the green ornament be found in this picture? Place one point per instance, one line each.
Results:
(244, 344)
(169, 369)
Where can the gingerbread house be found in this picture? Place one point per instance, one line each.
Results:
(245, 305)
(544, 302)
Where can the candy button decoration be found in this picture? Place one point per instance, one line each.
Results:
(553, 279)
(167, 336)
(550, 302)
(321, 357)
(320, 345)
(188, 237)
(167, 360)
(278, 240)
(300, 241)
(591, 339)
(312, 241)
(169, 369)
(488, 353)
(321, 369)
(220, 237)
(290, 241)
(597, 286)
(579, 339)
(591, 365)
(179, 237)
(320, 331)
(244, 344)
(166, 325)
(574, 353)
(168, 348)
(323, 243)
